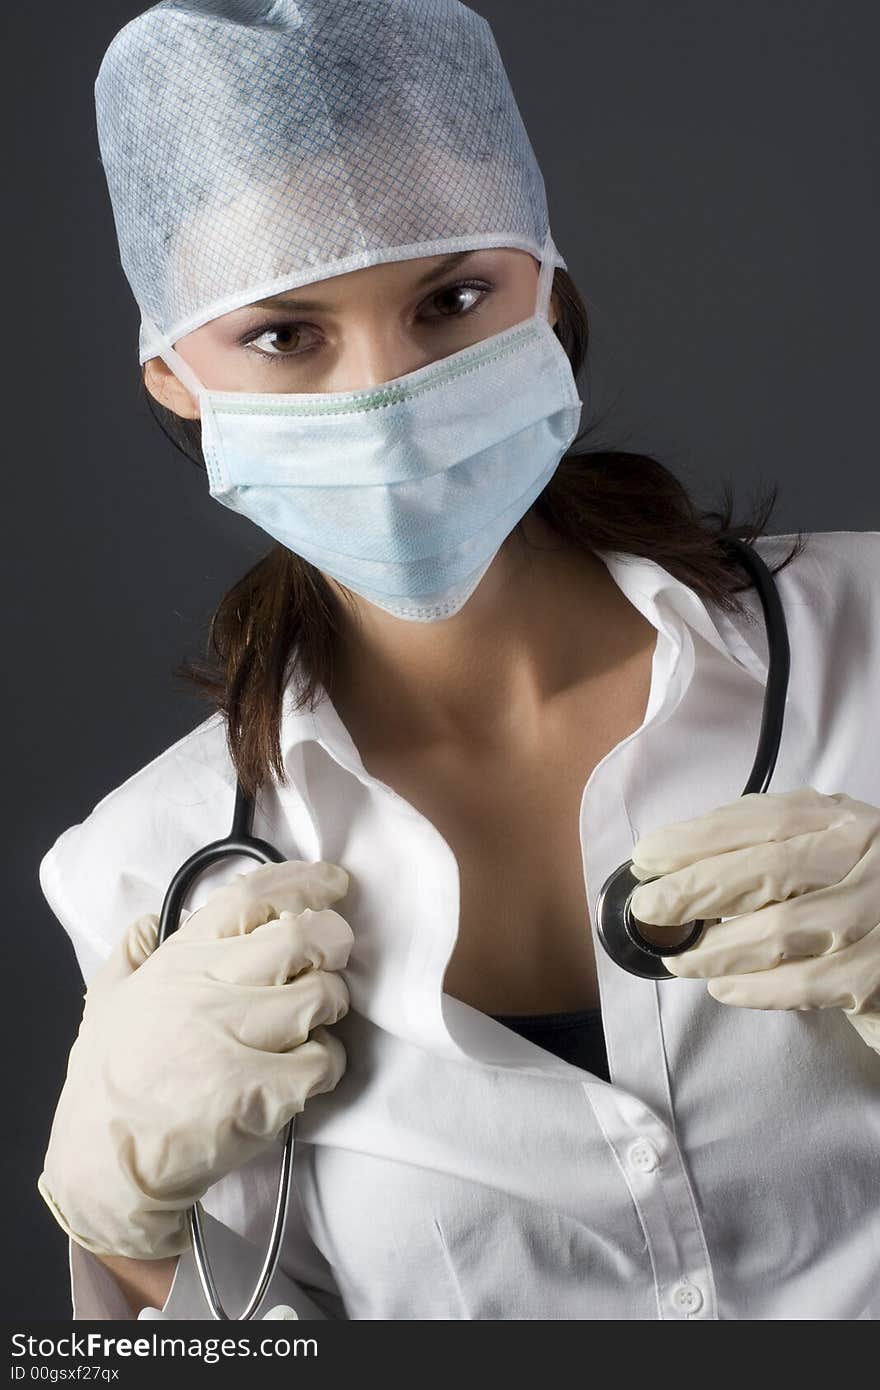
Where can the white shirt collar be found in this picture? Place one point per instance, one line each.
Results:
(667, 602)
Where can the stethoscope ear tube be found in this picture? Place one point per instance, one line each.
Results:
(239, 842)
(617, 927)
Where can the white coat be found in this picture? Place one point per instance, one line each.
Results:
(458, 1171)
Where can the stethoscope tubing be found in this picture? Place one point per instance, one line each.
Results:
(239, 842)
(616, 927)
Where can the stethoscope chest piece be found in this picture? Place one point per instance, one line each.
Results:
(618, 929)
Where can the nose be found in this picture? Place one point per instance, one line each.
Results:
(372, 354)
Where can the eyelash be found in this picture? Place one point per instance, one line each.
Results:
(278, 325)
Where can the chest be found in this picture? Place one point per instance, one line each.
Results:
(524, 942)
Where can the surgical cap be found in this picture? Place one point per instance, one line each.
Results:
(252, 146)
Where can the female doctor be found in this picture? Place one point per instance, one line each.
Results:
(476, 672)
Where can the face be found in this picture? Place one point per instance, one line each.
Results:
(355, 330)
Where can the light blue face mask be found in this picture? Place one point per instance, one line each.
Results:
(403, 493)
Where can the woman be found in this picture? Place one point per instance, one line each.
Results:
(472, 678)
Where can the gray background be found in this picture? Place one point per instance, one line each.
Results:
(710, 173)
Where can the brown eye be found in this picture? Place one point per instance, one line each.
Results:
(455, 301)
(290, 340)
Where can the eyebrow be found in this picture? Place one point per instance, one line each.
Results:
(312, 306)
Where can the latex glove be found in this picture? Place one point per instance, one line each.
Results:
(192, 1057)
(797, 875)
(282, 1312)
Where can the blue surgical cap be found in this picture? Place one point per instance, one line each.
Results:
(253, 147)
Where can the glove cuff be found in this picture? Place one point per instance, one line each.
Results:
(168, 1242)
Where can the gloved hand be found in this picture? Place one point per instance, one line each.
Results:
(192, 1057)
(798, 875)
(282, 1312)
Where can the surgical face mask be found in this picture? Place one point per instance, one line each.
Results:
(404, 492)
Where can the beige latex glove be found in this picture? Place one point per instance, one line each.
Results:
(798, 876)
(192, 1057)
(282, 1312)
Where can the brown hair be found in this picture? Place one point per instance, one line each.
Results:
(279, 622)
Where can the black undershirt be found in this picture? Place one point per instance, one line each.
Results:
(576, 1036)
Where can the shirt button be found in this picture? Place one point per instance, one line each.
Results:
(687, 1298)
(643, 1156)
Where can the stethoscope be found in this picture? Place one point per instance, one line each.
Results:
(616, 926)
(239, 841)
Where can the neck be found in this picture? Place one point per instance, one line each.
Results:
(545, 619)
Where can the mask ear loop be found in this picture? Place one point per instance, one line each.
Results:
(160, 347)
(545, 277)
